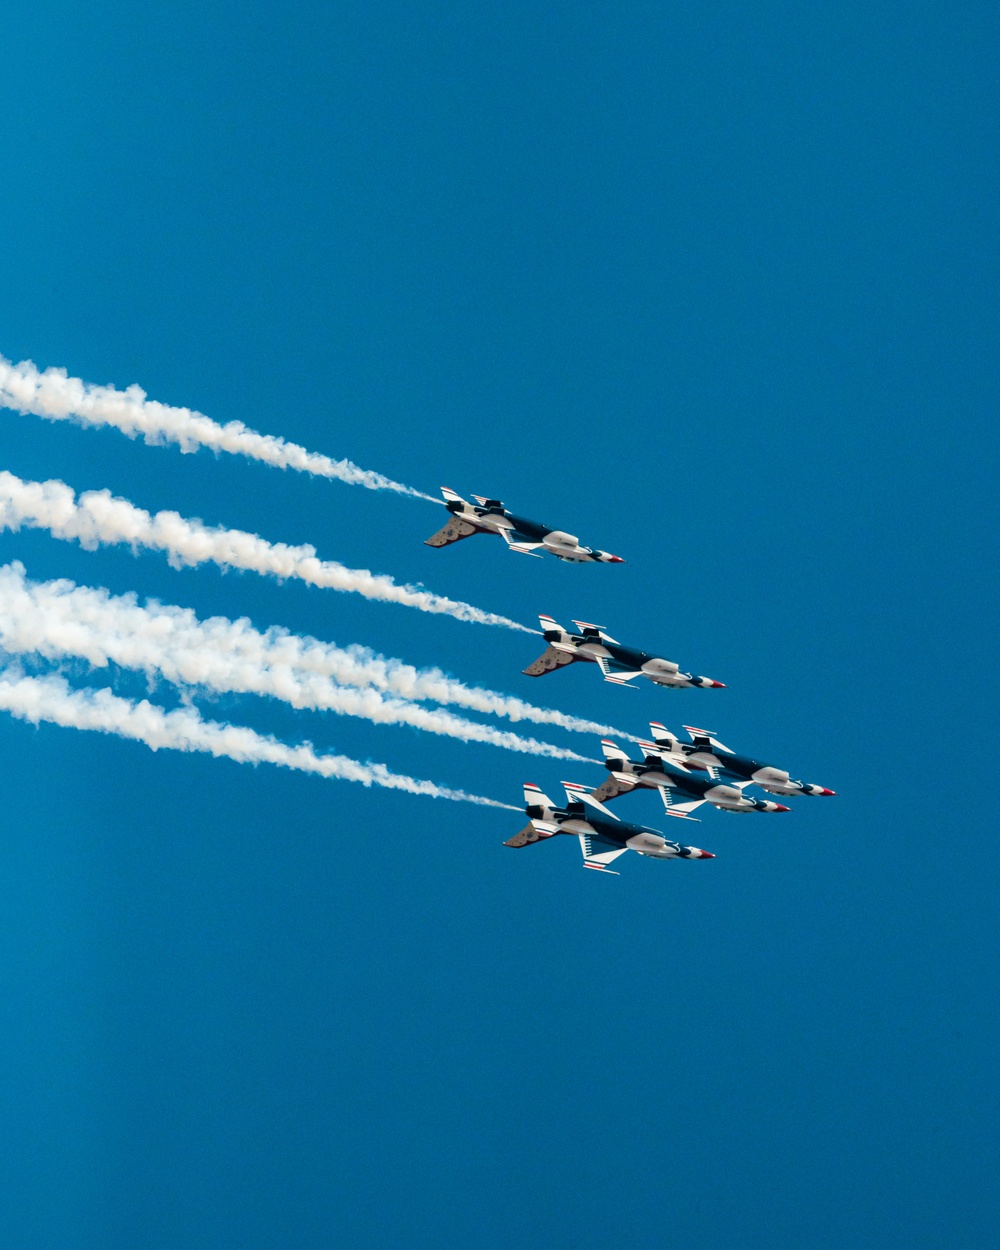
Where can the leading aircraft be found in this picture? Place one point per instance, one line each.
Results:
(602, 837)
(680, 790)
(706, 752)
(618, 664)
(489, 516)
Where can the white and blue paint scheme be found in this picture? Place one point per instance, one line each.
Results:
(489, 516)
(620, 665)
(707, 754)
(681, 791)
(603, 837)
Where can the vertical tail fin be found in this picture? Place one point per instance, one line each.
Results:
(612, 753)
(534, 798)
(663, 737)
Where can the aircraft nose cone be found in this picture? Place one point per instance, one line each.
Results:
(718, 685)
(616, 559)
(705, 855)
(780, 807)
(826, 791)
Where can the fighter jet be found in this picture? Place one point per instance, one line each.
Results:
(706, 753)
(680, 790)
(618, 664)
(520, 534)
(602, 837)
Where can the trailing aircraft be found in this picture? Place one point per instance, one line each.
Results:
(706, 753)
(603, 837)
(620, 665)
(489, 516)
(680, 790)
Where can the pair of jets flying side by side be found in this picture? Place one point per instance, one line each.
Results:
(669, 766)
(618, 663)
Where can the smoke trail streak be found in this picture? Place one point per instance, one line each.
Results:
(51, 699)
(57, 397)
(206, 644)
(98, 517)
(59, 619)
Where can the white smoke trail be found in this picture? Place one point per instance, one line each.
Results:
(59, 619)
(98, 517)
(99, 627)
(57, 397)
(51, 699)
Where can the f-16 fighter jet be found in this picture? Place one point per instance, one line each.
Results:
(680, 790)
(520, 534)
(603, 837)
(706, 753)
(618, 664)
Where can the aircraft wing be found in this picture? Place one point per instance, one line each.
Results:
(548, 662)
(520, 542)
(683, 809)
(619, 679)
(453, 532)
(598, 852)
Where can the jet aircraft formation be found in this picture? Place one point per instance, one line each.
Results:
(686, 775)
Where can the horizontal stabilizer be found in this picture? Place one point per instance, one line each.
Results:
(580, 794)
(598, 629)
(450, 496)
(705, 737)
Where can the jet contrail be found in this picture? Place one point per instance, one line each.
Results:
(58, 619)
(51, 699)
(56, 396)
(98, 517)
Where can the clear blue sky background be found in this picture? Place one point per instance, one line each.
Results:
(714, 288)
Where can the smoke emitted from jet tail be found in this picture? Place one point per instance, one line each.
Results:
(98, 518)
(59, 619)
(51, 699)
(56, 396)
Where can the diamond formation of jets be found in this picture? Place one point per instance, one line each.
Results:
(489, 516)
(603, 837)
(686, 775)
(620, 665)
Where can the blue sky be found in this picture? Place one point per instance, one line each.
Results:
(711, 289)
